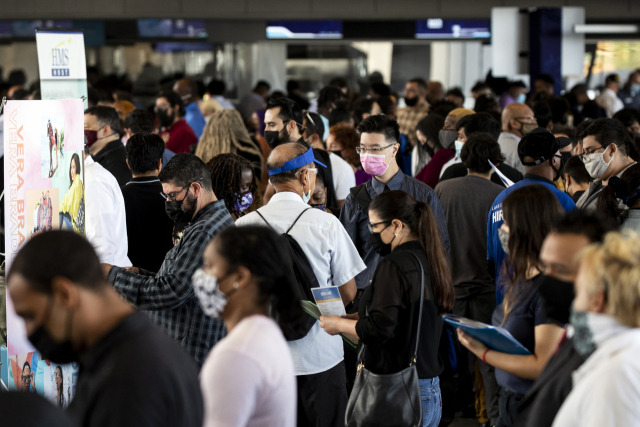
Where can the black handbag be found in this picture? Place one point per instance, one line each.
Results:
(389, 399)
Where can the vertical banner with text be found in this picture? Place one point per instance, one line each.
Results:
(44, 190)
(62, 64)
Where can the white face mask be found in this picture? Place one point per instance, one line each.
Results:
(458, 144)
(595, 165)
(212, 299)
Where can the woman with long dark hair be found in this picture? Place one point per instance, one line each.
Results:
(529, 214)
(59, 381)
(72, 205)
(248, 378)
(402, 227)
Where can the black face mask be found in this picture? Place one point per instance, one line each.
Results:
(275, 138)
(557, 296)
(175, 209)
(411, 102)
(558, 172)
(566, 155)
(57, 352)
(376, 243)
(165, 118)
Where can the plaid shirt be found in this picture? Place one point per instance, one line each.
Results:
(408, 118)
(168, 297)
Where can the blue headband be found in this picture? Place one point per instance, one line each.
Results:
(297, 162)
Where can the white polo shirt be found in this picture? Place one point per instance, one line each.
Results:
(334, 259)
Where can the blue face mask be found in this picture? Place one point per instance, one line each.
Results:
(243, 201)
(521, 98)
(458, 145)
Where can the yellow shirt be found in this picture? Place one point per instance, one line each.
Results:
(71, 201)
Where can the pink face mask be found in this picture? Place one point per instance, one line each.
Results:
(374, 164)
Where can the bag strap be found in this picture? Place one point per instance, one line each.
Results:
(415, 352)
(264, 219)
(295, 220)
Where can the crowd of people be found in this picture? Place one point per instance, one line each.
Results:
(207, 222)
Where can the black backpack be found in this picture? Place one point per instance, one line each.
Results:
(305, 279)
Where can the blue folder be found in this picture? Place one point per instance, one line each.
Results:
(496, 338)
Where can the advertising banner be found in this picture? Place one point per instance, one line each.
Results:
(44, 190)
(62, 64)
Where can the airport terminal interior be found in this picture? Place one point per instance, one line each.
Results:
(320, 213)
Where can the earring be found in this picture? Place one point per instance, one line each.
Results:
(396, 234)
(235, 285)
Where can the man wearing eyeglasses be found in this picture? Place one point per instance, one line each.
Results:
(379, 144)
(605, 153)
(167, 296)
(517, 121)
(318, 357)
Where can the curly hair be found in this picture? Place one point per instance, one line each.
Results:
(225, 133)
(349, 138)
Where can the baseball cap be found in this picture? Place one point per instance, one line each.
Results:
(540, 145)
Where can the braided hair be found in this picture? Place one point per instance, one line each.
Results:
(226, 177)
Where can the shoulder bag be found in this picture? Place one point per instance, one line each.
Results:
(390, 399)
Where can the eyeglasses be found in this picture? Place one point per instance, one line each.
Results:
(372, 226)
(313, 170)
(172, 196)
(364, 150)
(589, 151)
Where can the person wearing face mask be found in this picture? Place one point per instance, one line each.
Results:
(318, 357)
(402, 231)
(71, 315)
(466, 202)
(248, 378)
(448, 152)
(379, 143)
(319, 197)
(234, 182)
(576, 178)
(571, 234)
(439, 154)
(167, 295)
(529, 213)
(605, 323)
(415, 99)
(466, 127)
(630, 92)
(516, 93)
(175, 131)
(606, 152)
(517, 121)
(102, 133)
(284, 123)
(149, 229)
(539, 150)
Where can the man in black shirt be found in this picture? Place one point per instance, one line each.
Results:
(570, 235)
(131, 373)
(148, 226)
(283, 123)
(102, 132)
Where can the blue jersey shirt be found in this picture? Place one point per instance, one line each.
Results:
(495, 252)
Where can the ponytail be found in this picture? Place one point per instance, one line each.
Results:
(419, 219)
(430, 239)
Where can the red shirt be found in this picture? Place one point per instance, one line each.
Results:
(430, 174)
(181, 137)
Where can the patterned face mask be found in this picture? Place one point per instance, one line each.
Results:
(243, 201)
(212, 299)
